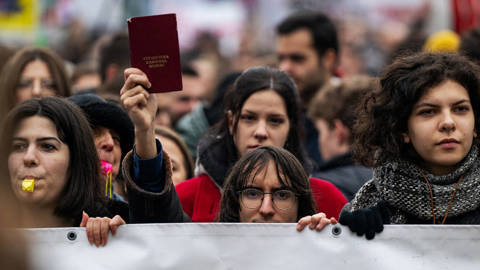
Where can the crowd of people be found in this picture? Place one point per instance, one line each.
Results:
(290, 141)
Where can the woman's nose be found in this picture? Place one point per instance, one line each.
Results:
(36, 88)
(261, 131)
(107, 142)
(30, 158)
(447, 123)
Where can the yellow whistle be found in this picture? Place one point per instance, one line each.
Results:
(28, 185)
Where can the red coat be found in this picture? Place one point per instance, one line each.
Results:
(200, 198)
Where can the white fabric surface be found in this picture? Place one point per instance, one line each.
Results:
(257, 246)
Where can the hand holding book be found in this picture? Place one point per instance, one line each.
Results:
(141, 106)
(154, 50)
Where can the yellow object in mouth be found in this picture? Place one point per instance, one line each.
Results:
(28, 185)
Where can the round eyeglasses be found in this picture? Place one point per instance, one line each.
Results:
(252, 198)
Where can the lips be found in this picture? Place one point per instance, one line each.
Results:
(253, 146)
(448, 143)
(264, 221)
(29, 177)
(108, 157)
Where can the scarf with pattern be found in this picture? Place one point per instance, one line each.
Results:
(402, 185)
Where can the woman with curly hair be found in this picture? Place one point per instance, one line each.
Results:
(419, 132)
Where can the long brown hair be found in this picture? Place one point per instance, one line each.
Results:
(289, 172)
(12, 71)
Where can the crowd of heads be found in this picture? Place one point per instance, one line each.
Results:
(256, 116)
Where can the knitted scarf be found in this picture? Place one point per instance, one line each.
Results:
(401, 184)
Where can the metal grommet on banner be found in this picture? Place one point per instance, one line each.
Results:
(336, 231)
(71, 235)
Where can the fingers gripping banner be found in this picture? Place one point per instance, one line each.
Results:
(257, 246)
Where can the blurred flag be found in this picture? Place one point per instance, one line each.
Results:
(18, 14)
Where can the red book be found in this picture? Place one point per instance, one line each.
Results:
(154, 50)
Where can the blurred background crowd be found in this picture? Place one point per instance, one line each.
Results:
(241, 31)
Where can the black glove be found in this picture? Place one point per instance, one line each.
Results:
(367, 221)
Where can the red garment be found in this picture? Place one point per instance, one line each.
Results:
(466, 15)
(200, 198)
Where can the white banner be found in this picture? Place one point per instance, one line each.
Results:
(257, 246)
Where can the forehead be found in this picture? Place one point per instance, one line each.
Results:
(295, 42)
(101, 130)
(171, 148)
(265, 100)
(36, 68)
(266, 176)
(35, 126)
(192, 86)
(447, 91)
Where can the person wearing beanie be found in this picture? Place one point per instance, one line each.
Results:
(113, 133)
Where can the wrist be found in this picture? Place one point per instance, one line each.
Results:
(142, 131)
(145, 143)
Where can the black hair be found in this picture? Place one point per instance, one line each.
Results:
(383, 115)
(82, 190)
(322, 29)
(251, 81)
(470, 44)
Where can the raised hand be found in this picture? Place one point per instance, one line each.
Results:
(139, 103)
(141, 107)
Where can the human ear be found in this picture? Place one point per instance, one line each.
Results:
(342, 132)
(230, 122)
(111, 71)
(329, 59)
(406, 138)
(474, 134)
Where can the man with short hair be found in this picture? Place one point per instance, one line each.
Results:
(333, 112)
(307, 49)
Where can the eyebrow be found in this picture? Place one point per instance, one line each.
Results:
(426, 104)
(273, 189)
(270, 114)
(38, 140)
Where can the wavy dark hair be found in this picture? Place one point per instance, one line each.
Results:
(251, 81)
(383, 115)
(82, 190)
(289, 172)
